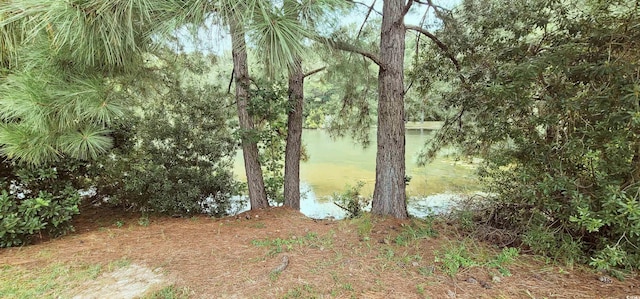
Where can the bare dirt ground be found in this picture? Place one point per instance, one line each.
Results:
(235, 257)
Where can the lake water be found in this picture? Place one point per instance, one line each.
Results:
(335, 163)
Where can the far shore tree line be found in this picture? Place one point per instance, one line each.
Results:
(98, 94)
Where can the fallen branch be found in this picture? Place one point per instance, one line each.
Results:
(282, 266)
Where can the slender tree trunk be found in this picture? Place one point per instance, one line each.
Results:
(389, 196)
(294, 137)
(255, 181)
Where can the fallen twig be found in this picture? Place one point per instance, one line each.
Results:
(282, 266)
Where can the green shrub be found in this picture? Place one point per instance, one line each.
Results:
(547, 93)
(34, 202)
(176, 158)
(269, 106)
(173, 152)
(351, 201)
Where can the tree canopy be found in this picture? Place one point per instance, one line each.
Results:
(548, 94)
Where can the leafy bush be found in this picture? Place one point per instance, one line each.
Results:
(35, 202)
(174, 152)
(547, 93)
(177, 160)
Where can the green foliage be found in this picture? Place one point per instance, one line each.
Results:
(107, 36)
(50, 281)
(170, 292)
(547, 93)
(301, 291)
(351, 201)
(174, 153)
(552, 243)
(48, 110)
(268, 105)
(453, 258)
(143, 220)
(457, 256)
(506, 257)
(279, 245)
(314, 118)
(119, 223)
(35, 202)
(62, 68)
(364, 226)
(417, 230)
(609, 259)
(347, 99)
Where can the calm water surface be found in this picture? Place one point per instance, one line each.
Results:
(335, 163)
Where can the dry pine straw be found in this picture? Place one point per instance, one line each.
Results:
(215, 258)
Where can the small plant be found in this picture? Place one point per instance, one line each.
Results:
(143, 220)
(273, 275)
(506, 257)
(170, 292)
(119, 223)
(453, 258)
(609, 258)
(279, 245)
(387, 253)
(554, 244)
(117, 264)
(420, 289)
(258, 225)
(364, 226)
(304, 291)
(351, 201)
(419, 229)
(426, 271)
(465, 219)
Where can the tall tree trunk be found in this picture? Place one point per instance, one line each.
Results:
(294, 137)
(255, 181)
(389, 195)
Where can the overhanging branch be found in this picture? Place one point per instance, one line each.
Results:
(443, 47)
(365, 19)
(370, 7)
(314, 71)
(340, 45)
(406, 8)
(439, 43)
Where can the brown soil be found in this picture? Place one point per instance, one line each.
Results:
(219, 258)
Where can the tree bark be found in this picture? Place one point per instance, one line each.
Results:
(294, 137)
(389, 196)
(255, 180)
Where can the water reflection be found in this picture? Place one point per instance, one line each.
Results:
(335, 163)
(324, 208)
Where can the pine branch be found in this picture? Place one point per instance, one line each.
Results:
(314, 71)
(366, 18)
(370, 7)
(340, 45)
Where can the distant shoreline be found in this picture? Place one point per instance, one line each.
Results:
(426, 125)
